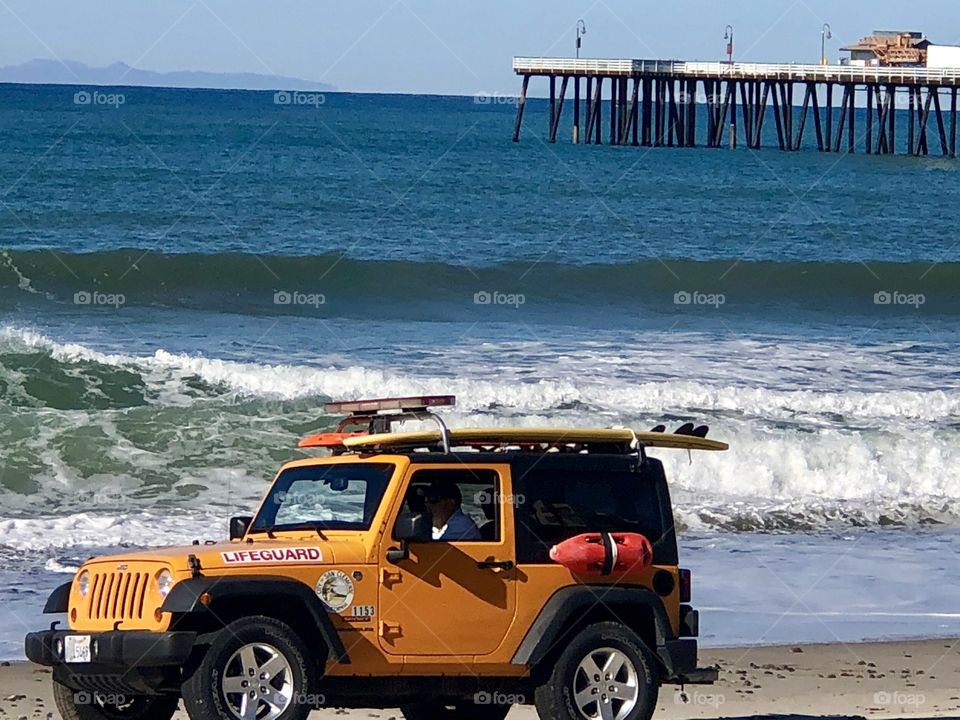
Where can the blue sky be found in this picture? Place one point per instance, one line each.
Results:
(436, 46)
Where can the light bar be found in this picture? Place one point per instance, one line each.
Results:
(370, 407)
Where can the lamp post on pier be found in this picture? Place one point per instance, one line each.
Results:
(581, 31)
(825, 34)
(728, 36)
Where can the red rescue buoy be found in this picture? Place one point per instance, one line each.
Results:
(604, 553)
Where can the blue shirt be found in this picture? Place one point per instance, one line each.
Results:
(459, 527)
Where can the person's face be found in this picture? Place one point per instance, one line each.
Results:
(441, 508)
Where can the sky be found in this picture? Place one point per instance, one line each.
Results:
(438, 46)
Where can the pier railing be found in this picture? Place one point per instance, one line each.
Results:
(745, 71)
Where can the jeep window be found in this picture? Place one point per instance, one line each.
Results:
(559, 505)
(324, 497)
(479, 491)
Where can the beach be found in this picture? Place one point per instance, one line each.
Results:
(915, 679)
(160, 359)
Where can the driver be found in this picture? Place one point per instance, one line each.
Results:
(450, 523)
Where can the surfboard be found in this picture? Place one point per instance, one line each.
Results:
(499, 437)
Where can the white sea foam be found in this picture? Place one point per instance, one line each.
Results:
(53, 565)
(104, 530)
(566, 386)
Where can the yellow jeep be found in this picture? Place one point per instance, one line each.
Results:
(452, 573)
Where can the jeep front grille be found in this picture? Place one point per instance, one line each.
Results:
(117, 596)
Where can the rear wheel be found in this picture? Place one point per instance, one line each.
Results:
(606, 673)
(463, 711)
(88, 705)
(255, 669)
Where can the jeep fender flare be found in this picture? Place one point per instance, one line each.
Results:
(184, 598)
(546, 631)
(59, 599)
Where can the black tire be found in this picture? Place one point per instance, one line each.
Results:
(438, 710)
(227, 660)
(87, 705)
(556, 699)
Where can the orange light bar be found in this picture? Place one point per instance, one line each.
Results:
(370, 407)
(327, 439)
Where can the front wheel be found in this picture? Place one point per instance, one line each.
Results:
(255, 669)
(88, 705)
(606, 673)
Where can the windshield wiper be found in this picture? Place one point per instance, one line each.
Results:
(315, 527)
(270, 530)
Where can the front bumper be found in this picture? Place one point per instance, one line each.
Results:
(121, 661)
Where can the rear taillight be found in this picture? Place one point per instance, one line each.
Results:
(684, 586)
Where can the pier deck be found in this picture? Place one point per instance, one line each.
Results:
(654, 103)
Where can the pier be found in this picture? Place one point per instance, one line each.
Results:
(654, 103)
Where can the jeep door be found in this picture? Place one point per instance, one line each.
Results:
(451, 597)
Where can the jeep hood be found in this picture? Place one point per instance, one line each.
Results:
(272, 555)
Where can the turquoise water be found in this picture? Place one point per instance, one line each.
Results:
(185, 277)
(435, 179)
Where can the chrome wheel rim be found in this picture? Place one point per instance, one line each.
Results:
(606, 685)
(257, 682)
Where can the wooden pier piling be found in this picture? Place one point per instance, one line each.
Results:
(656, 104)
(953, 124)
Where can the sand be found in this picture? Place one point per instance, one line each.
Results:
(874, 680)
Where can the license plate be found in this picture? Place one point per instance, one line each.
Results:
(76, 649)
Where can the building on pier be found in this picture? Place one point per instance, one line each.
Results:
(889, 48)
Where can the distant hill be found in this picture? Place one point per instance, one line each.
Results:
(53, 72)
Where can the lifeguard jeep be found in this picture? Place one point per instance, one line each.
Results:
(335, 594)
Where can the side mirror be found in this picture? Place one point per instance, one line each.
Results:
(414, 528)
(410, 528)
(239, 526)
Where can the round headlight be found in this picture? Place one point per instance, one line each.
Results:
(164, 582)
(83, 583)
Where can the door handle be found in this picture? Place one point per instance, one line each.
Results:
(495, 564)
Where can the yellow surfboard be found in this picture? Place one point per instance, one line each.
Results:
(501, 436)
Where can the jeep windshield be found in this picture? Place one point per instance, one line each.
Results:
(342, 496)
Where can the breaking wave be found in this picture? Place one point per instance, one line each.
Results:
(89, 431)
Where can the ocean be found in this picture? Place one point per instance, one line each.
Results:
(186, 276)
